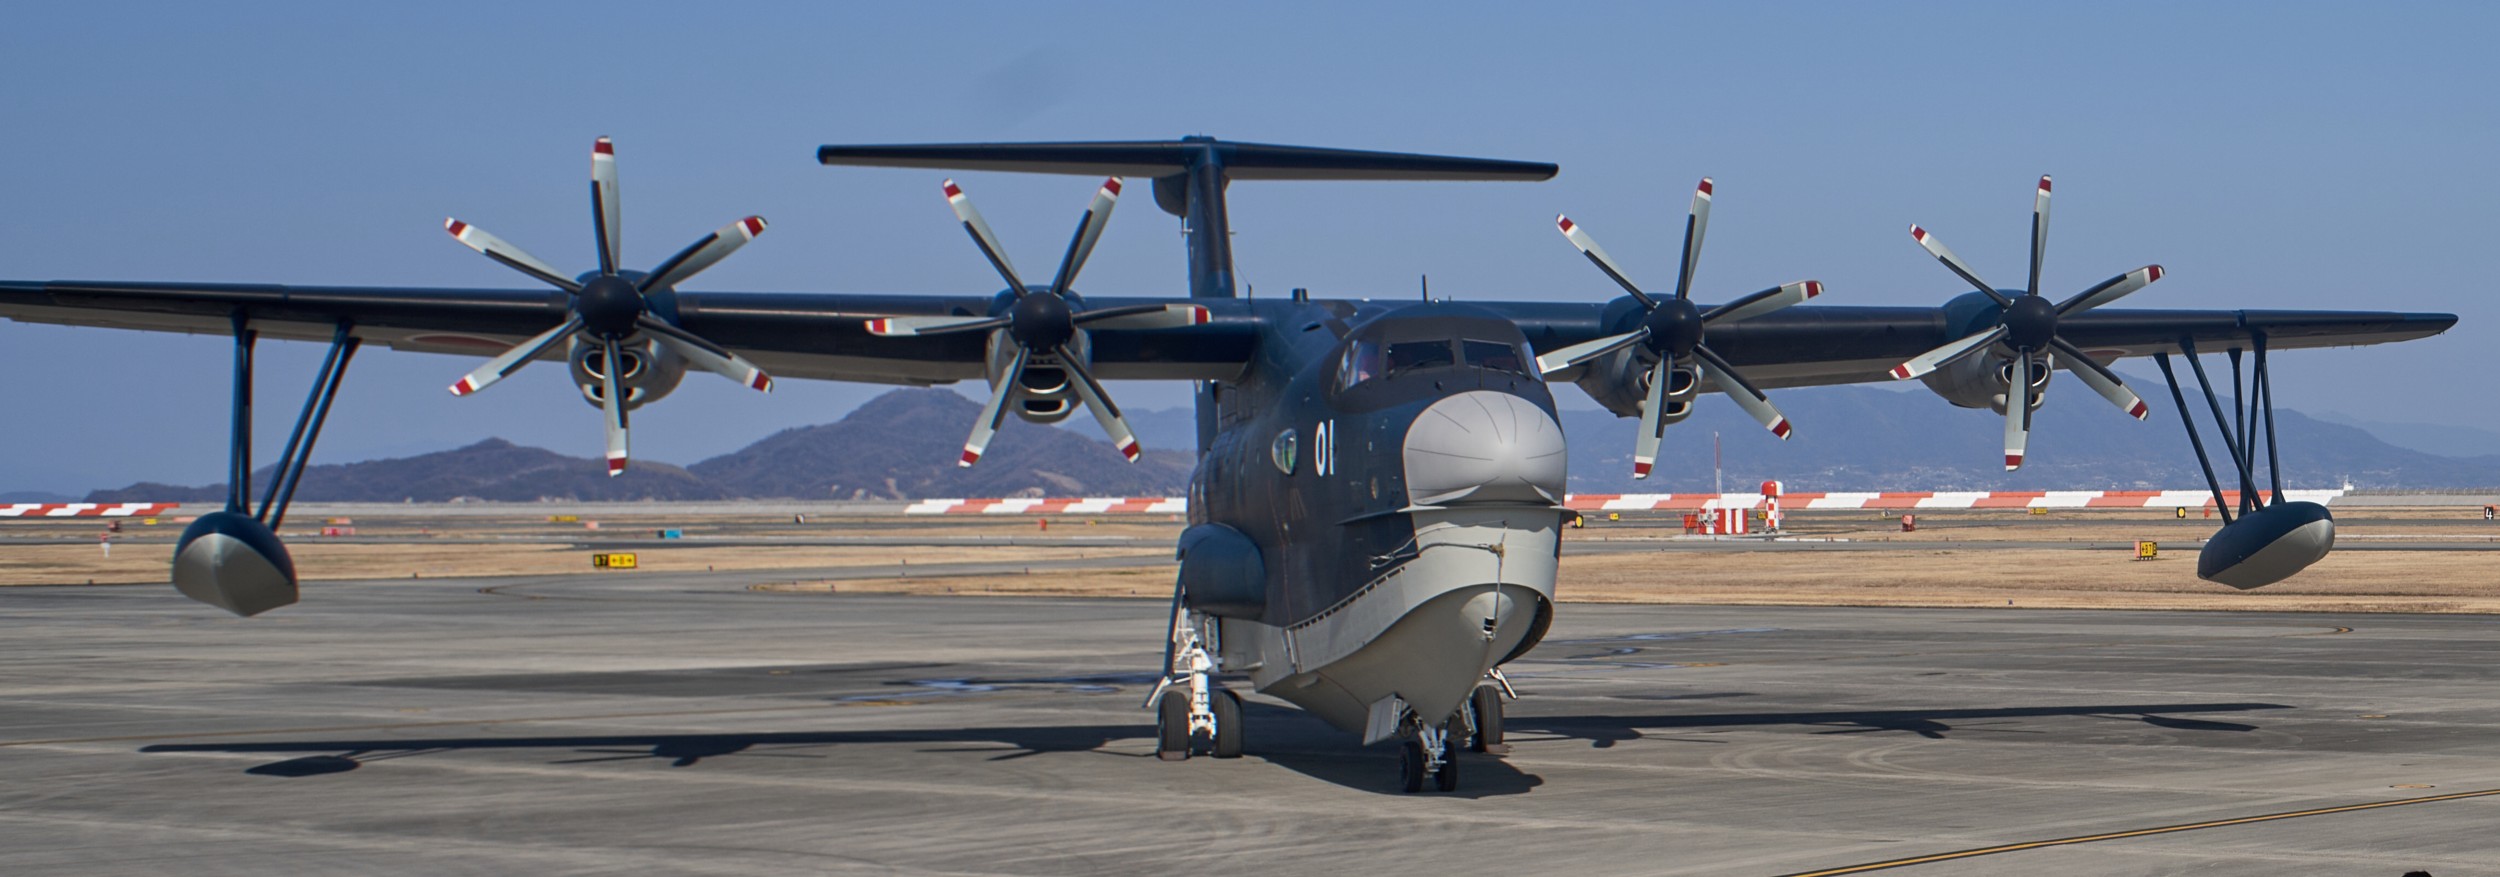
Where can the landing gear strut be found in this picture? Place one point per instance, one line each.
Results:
(1430, 750)
(1193, 714)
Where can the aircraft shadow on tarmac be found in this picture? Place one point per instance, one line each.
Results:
(1282, 736)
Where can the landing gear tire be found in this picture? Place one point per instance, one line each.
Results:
(1411, 765)
(1227, 706)
(1487, 704)
(1446, 778)
(1172, 726)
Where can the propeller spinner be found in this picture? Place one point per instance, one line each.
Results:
(609, 305)
(2027, 324)
(1042, 322)
(1672, 330)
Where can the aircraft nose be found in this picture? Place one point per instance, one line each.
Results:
(1481, 447)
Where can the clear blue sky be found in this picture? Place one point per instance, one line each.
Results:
(2270, 155)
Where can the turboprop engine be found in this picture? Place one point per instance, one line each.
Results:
(1619, 381)
(1044, 393)
(646, 371)
(1983, 381)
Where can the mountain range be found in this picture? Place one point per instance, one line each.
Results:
(903, 445)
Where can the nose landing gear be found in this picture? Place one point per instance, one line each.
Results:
(1431, 750)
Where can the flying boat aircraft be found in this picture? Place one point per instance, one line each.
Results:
(1375, 518)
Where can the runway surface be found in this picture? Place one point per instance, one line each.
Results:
(665, 724)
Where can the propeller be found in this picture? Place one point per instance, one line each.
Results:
(611, 305)
(1671, 330)
(1044, 321)
(2027, 324)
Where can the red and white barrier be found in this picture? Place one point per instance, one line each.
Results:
(2001, 499)
(1772, 499)
(1725, 521)
(86, 509)
(1094, 505)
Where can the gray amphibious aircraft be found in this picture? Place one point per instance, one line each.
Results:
(1376, 512)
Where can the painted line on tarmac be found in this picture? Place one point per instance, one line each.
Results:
(2140, 832)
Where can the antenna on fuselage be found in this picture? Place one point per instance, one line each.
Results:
(1427, 281)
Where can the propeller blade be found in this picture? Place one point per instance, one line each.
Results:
(1696, 224)
(703, 253)
(604, 211)
(1588, 247)
(1937, 249)
(1099, 402)
(495, 248)
(1588, 350)
(1764, 302)
(1146, 317)
(2111, 290)
(1743, 391)
(1943, 356)
(982, 236)
(1088, 230)
(1645, 445)
(706, 355)
(2100, 379)
(509, 361)
(2018, 411)
(995, 412)
(2039, 233)
(902, 327)
(612, 400)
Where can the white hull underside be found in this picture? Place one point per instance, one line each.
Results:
(1426, 632)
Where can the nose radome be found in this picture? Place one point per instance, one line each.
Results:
(1483, 447)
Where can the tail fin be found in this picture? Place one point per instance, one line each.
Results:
(1164, 158)
(1190, 175)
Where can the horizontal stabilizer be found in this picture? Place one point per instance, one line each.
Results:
(1164, 158)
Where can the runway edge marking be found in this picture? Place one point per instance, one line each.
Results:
(2140, 832)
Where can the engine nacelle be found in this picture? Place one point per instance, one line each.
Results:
(1980, 381)
(648, 371)
(1620, 382)
(1047, 393)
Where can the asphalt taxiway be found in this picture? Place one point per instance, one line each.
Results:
(682, 724)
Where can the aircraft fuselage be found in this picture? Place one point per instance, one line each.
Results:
(1396, 474)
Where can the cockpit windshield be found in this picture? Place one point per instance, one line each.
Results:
(1492, 355)
(1404, 355)
(1369, 359)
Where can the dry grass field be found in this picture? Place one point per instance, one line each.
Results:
(2067, 559)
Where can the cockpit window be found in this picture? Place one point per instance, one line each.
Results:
(1492, 354)
(1362, 363)
(1366, 359)
(1404, 355)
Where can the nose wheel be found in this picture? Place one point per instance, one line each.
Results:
(1431, 752)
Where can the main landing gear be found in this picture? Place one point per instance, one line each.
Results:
(1193, 715)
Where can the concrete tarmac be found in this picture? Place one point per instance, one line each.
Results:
(679, 724)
